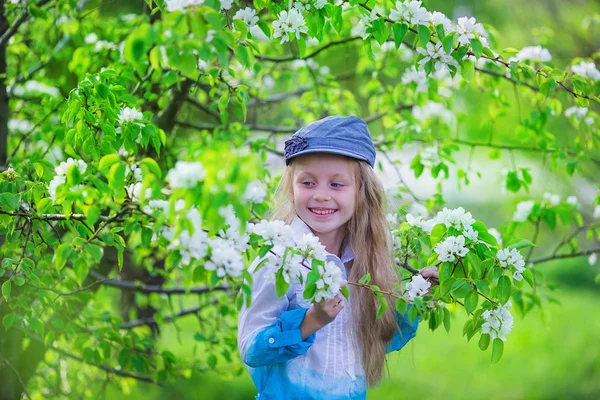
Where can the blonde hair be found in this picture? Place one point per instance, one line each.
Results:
(370, 240)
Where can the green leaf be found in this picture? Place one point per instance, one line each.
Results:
(528, 276)
(467, 70)
(484, 341)
(413, 313)
(497, 350)
(336, 19)
(437, 234)
(81, 269)
(6, 288)
(365, 279)
(10, 201)
(152, 166)
(116, 177)
(399, 33)
(424, 34)
(521, 244)
(471, 301)
(512, 182)
(264, 250)
(382, 305)
(380, 30)
(446, 319)
(281, 286)
(9, 320)
(401, 305)
(477, 47)
(61, 255)
(223, 101)
(447, 43)
(244, 56)
(345, 292)
(504, 288)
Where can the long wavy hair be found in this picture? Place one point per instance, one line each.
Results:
(368, 234)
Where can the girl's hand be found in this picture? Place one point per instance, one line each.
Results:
(431, 275)
(321, 314)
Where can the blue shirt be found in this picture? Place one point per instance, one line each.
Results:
(327, 364)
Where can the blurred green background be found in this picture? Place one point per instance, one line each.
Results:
(554, 353)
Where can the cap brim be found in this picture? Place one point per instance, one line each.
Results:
(329, 151)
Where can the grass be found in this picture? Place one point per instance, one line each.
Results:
(553, 354)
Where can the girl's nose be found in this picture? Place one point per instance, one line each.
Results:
(321, 197)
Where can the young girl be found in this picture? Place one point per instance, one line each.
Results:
(336, 348)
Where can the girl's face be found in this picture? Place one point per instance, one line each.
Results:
(324, 192)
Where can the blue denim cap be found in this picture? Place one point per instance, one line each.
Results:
(347, 136)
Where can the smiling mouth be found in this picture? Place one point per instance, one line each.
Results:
(322, 211)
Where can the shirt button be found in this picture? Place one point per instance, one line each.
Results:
(271, 340)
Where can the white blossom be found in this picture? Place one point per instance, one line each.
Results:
(129, 115)
(248, 16)
(467, 27)
(290, 268)
(572, 200)
(134, 190)
(410, 12)
(417, 287)
(419, 77)
(512, 258)
(289, 23)
(430, 156)
(498, 322)
(181, 5)
(418, 209)
(437, 54)
(329, 283)
(223, 260)
(310, 248)
(432, 109)
(426, 225)
(438, 18)
(135, 170)
(190, 246)
(320, 4)
(54, 184)
(392, 219)
(523, 210)
(185, 174)
(494, 232)
(64, 166)
(365, 22)
(552, 199)
(226, 4)
(535, 53)
(586, 69)
(451, 248)
(302, 5)
(577, 112)
(20, 125)
(32, 86)
(456, 218)
(91, 38)
(596, 213)
(255, 192)
(276, 233)
(592, 259)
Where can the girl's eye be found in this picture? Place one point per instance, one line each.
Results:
(337, 185)
(307, 183)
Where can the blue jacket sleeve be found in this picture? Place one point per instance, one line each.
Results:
(268, 332)
(405, 332)
(279, 342)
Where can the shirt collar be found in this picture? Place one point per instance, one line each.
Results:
(300, 228)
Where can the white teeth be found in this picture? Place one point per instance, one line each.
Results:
(323, 212)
